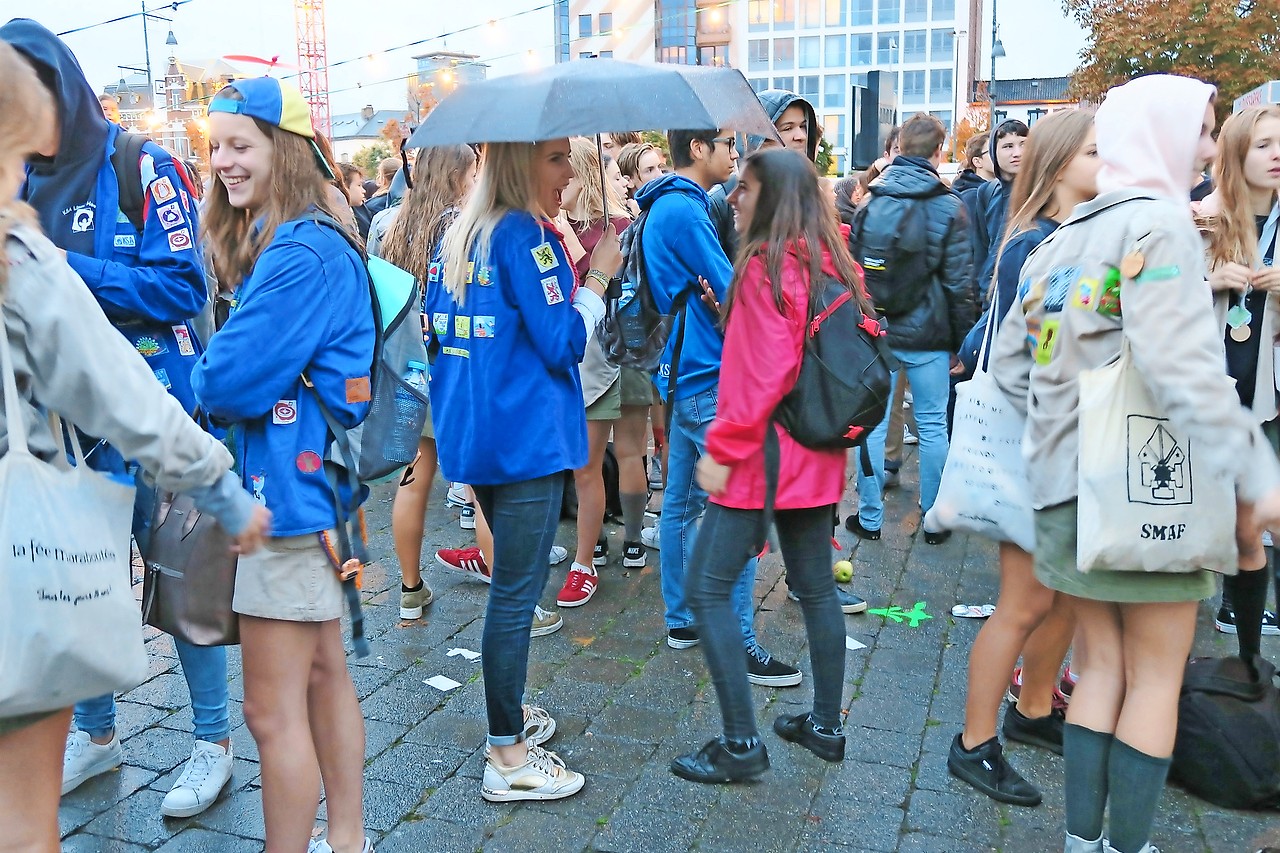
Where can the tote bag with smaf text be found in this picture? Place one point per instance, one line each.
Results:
(69, 626)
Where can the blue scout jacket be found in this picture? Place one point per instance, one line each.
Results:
(304, 307)
(506, 398)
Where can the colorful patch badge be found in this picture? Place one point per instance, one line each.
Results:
(440, 323)
(484, 278)
(162, 376)
(545, 257)
(1109, 299)
(180, 240)
(183, 336)
(1060, 281)
(433, 272)
(1086, 294)
(162, 191)
(458, 351)
(125, 241)
(551, 290)
(358, 390)
(309, 462)
(170, 216)
(148, 346)
(471, 271)
(483, 326)
(284, 412)
(1048, 340)
(462, 327)
(258, 484)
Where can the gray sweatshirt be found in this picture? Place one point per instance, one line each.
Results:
(68, 358)
(1067, 320)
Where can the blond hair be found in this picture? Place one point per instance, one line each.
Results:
(589, 207)
(1234, 237)
(26, 121)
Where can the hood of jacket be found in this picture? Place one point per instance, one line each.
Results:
(69, 179)
(908, 177)
(775, 103)
(672, 183)
(1148, 130)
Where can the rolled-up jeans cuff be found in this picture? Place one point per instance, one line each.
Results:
(506, 740)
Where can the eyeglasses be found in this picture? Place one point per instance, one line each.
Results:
(731, 141)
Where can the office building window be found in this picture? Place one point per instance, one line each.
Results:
(758, 55)
(833, 129)
(940, 85)
(833, 89)
(889, 11)
(886, 49)
(606, 22)
(717, 55)
(943, 116)
(915, 10)
(759, 84)
(784, 14)
(808, 88)
(584, 26)
(913, 87)
(758, 15)
(860, 49)
(606, 54)
(835, 51)
(861, 12)
(784, 54)
(586, 54)
(787, 84)
(944, 46)
(811, 14)
(859, 79)
(914, 45)
(944, 10)
(810, 52)
(837, 13)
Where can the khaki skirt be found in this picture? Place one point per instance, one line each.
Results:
(291, 579)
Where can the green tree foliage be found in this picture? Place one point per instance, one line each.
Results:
(824, 161)
(368, 157)
(1234, 44)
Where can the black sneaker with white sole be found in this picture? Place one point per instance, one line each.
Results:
(985, 768)
(849, 603)
(682, 638)
(600, 555)
(767, 671)
(1225, 622)
(633, 555)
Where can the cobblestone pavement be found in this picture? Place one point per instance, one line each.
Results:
(626, 704)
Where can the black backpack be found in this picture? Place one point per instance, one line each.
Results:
(1227, 750)
(126, 163)
(634, 334)
(889, 238)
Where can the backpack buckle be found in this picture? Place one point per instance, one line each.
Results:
(872, 326)
(352, 568)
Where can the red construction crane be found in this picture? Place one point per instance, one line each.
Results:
(313, 57)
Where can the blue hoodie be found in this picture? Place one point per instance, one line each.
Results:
(304, 307)
(680, 244)
(149, 284)
(506, 399)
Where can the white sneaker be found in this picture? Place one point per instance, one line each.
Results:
(84, 759)
(319, 845)
(558, 555)
(467, 518)
(456, 496)
(649, 537)
(543, 776)
(909, 437)
(539, 726)
(207, 772)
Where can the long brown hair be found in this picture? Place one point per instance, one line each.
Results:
(793, 212)
(440, 180)
(297, 184)
(1234, 236)
(26, 121)
(589, 208)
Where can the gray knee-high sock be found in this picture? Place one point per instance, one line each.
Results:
(1086, 753)
(633, 504)
(1136, 781)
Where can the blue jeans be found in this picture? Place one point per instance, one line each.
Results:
(204, 667)
(682, 505)
(929, 374)
(523, 517)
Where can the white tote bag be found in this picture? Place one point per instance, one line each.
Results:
(984, 487)
(1146, 504)
(69, 626)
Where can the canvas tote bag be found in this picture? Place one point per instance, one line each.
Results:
(984, 487)
(69, 626)
(1146, 503)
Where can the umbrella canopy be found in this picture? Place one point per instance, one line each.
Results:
(589, 96)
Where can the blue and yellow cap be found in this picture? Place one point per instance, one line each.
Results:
(276, 103)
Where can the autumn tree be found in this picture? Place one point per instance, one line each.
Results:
(1234, 44)
(974, 121)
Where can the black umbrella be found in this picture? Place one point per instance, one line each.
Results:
(585, 97)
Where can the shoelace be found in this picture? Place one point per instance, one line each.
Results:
(760, 655)
(197, 769)
(75, 746)
(577, 580)
(539, 613)
(545, 761)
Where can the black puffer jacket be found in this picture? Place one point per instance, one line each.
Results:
(947, 311)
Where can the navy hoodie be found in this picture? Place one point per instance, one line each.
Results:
(150, 284)
(988, 206)
(680, 244)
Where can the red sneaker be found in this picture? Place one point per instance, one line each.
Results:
(578, 588)
(1061, 694)
(468, 560)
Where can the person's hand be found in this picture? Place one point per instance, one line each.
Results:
(607, 255)
(957, 366)
(709, 297)
(1266, 512)
(252, 537)
(712, 476)
(1230, 277)
(1267, 278)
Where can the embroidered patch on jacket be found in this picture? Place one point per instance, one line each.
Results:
(162, 191)
(1160, 274)
(551, 290)
(471, 271)
(433, 272)
(484, 277)
(309, 462)
(482, 326)
(148, 346)
(284, 412)
(180, 240)
(162, 376)
(545, 257)
(182, 335)
(170, 215)
(358, 390)
(126, 241)
(1047, 341)
(461, 327)
(440, 323)
(1086, 294)
(460, 352)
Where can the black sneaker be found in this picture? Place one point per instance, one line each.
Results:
(854, 526)
(765, 670)
(682, 638)
(986, 769)
(1270, 624)
(1044, 732)
(849, 603)
(600, 556)
(1225, 622)
(632, 555)
(799, 729)
(891, 480)
(716, 763)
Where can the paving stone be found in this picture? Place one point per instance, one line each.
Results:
(85, 843)
(196, 840)
(458, 801)
(531, 831)
(239, 814)
(420, 835)
(760, 831)
(387, 803)
(136, 819)
(428, 766)
(604, 756)
(100, 793)
(632, 830)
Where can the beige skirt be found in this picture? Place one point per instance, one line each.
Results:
(291, 579)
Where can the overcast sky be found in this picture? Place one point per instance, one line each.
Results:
(1037, 38)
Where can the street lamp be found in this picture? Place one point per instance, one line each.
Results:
(895, 56)
(955, 79)
(997, 52)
